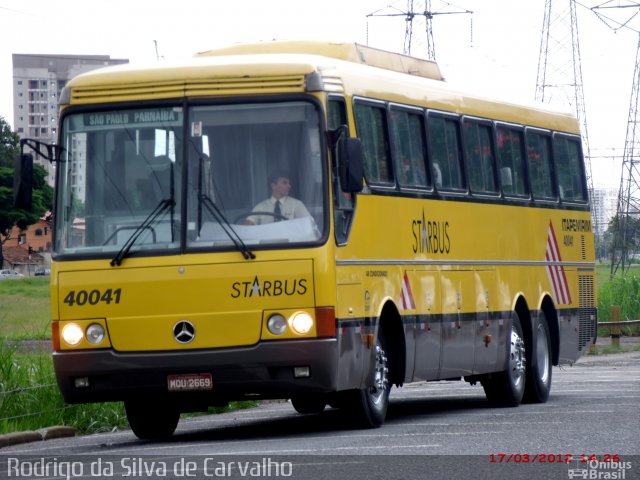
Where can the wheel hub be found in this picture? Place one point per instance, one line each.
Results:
(381, 380)
(517, 360)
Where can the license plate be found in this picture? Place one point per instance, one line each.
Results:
(189, 382)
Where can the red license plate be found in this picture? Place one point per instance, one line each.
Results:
(189, 382)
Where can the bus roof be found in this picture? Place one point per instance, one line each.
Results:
(350, 52)
(305, 66)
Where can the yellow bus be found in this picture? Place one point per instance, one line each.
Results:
(311, 221)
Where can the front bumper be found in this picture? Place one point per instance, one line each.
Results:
(264, 370)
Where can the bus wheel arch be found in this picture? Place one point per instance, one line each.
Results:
(386, 367)
(548, 310)
(391, 326)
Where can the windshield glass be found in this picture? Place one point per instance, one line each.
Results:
(254, 179)
(260, 166)
(116, 168)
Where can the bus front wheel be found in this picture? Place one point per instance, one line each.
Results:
(506, 388)
(152, 420)
(369, 405)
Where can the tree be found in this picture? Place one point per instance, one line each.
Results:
(42, 192)
(9, 144)
(623, 236)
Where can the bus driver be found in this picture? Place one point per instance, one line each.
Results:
(280, 206)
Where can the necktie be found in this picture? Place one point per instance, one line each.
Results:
(277, 211)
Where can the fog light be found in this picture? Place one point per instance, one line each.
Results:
(277, 324)
(95, 333)
(301, 372)
(302, 323)
(72, 334)
(81, 382)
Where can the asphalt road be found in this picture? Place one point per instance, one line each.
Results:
(433, 430)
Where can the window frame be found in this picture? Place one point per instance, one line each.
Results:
(521, 129)
(456, 118)
(552, 165)
(382, 105)
(419, 112)
(494, 155)
(581, 165)
(344, 203)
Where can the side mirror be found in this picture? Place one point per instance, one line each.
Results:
(23, 181)
(350, 164)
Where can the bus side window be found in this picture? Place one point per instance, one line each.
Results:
(343, 202)
(568, 158)
(371, 123)
(478, 150)
(444, 145)
(511, 158)
(540, 165)
(337, 113)
(407, 133)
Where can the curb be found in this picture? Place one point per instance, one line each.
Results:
(49, 433)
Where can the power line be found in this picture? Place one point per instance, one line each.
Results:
(608, 21)
(411, 12)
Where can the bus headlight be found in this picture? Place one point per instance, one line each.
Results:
(72, 334)
(302, 323)
(277, 324)
(95, 333)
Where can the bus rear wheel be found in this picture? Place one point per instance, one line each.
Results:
(506, 388)
(538, 383)
(152, 420)
(369, 405)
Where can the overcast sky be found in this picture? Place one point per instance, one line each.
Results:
(494, 51)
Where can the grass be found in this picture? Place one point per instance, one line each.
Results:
(25, 309)
(30, 399)
(623, 291)
(609, 349)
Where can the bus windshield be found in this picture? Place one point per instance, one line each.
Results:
(260, 166)
(253, 178)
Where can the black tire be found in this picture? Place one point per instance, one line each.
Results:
(309, 403)
(538, 383)
(506, 388)
(369, 405)
(152, 420)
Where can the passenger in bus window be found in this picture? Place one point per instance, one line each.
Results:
(279, 206)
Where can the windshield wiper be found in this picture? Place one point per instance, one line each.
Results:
(146, 224)
(213, 209)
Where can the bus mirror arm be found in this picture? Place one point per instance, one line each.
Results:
(350, 164)
(47, 151)
(23, 170)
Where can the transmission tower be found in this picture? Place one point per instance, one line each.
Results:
(559, 79)
(628, 210)
(419, 14)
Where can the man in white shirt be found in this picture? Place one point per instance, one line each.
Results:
(280, 206)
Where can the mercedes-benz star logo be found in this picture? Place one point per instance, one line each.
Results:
(184, 331)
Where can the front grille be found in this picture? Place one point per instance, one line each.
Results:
(586, 311)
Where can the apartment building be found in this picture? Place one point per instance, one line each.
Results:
(37, 82)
